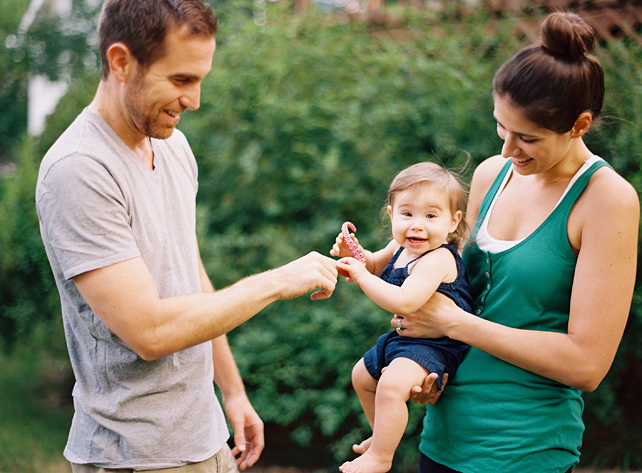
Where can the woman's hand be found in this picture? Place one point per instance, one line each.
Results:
(431, 321)
(428, 392)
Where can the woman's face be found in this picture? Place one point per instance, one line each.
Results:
(531, 148)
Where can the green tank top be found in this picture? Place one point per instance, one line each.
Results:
(494, 416)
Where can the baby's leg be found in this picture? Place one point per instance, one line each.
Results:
(366, 387)
(391, 417)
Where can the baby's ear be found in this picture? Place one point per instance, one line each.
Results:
(457, 216)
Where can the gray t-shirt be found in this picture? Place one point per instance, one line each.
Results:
(98, 205)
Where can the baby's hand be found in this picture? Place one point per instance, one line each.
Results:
(352, 269)
(340, 248)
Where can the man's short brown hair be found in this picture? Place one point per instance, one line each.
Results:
(142, 26)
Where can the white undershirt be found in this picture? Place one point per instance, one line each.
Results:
(486, 242)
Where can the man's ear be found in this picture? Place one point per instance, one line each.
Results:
(120, 60)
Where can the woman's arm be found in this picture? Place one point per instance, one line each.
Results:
(607, 220)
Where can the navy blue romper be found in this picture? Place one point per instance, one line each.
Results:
(437, 355)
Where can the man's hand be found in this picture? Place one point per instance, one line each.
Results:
(248, 430)
(312, 271)
(428, 392)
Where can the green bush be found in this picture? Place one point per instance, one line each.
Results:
(28, 295)
(303, 123)
(14, 75)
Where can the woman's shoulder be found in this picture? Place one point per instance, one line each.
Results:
(607, 187)
(608, 205)
(483, 177)
(487, 170)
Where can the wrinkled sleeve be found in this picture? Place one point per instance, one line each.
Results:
(84, 216)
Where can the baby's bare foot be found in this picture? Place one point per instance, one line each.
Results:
(362, 447)
(367, 463)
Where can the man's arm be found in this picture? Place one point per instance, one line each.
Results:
(125, 298)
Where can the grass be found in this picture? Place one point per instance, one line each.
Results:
(35, 414)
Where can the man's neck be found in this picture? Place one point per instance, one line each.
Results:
(108, 106)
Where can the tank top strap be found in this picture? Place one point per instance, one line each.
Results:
(421, 256)
(488, 198)
(555, 226)
(580, 184)
(394, 259)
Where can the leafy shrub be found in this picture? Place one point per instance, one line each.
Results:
(28, 295)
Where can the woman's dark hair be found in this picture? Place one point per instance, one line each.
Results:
(557, 79)
(142, 25)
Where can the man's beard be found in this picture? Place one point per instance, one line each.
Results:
(146, 124)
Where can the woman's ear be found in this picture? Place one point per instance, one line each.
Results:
(390, 211)
(582, 125)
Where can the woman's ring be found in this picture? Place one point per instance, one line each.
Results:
(399, 327)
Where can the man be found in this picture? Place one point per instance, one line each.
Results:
(116, 201)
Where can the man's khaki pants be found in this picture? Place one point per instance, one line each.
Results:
(222, 462)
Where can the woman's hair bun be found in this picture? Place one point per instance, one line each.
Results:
(567, 36)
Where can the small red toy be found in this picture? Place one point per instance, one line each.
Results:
(352, 245)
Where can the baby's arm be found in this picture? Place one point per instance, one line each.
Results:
(375, 262)
(429, 272)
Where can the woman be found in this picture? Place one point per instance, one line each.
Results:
(551, 262)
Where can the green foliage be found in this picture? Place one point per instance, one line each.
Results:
(302, 111)
(619, 137)
(60, 47)
(27, 292)
(35, 413)
(13, 77)
(303, 123)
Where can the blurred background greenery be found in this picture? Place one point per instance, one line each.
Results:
(304, 120)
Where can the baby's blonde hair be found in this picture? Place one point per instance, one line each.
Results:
(433, 174)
